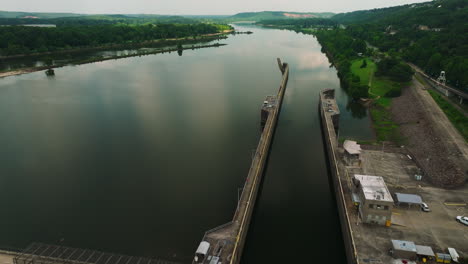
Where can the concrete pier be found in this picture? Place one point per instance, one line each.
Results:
(224, 244)
(329, 113)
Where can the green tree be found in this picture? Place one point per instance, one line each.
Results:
(364, 63)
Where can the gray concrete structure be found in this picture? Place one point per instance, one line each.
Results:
(330, 113)
(376, 201)
(225, 243)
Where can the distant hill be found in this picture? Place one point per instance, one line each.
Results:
(35, 15)
(269, 15)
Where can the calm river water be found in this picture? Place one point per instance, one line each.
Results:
(142, 155)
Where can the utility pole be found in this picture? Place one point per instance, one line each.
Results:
(383, 144)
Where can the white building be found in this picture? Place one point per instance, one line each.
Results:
(376, 201)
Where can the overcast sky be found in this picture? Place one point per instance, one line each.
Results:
(195, 7)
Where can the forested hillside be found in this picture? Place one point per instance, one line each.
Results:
(431, 35)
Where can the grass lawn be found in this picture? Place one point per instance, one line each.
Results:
(363, 73)
(381, 86)
(385, 129)
(458, 119)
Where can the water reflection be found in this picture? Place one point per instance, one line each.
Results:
(357, 110)
(143, 155)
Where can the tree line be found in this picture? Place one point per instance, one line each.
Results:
(343, 48)
(24, 40)
(91, 20)
(431, 35)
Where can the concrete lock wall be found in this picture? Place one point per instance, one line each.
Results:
(331, 145)
(237, 254)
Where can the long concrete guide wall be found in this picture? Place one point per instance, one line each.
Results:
(329, 114)
(224, 244)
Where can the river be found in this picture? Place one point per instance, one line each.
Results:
(142, 155)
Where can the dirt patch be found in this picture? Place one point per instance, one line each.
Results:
(430, 138)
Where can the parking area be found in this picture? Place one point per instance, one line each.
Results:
(437, 228)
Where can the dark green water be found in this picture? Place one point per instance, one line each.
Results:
(142, 155)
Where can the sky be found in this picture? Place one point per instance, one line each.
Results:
(195, 7)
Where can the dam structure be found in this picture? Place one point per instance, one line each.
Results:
(224, 244)
(330, 118)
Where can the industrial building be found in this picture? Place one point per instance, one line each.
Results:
(376, 203)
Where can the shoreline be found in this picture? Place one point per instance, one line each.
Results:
(91, 60)
(211, 36)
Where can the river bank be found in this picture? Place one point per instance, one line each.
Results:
(159, 42)
(97, 59)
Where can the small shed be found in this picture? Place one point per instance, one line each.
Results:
(201, 252)
(453, 254)
(352, 153)
(425, 252)
(404, 249)
(410, 199)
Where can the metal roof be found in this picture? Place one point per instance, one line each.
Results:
(203, 248)
(352, 147)
(374, 188)
(453, 254)
(408, 198)
(424, 250)
(404, 245)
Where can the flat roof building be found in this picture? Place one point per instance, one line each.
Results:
(425, 252)
(404, 249)
(376, 201)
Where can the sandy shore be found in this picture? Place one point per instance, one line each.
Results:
(20, 71)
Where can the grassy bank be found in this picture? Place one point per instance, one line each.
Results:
(385, 129)
(458, 119)
(379, 87)
(365, 73)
